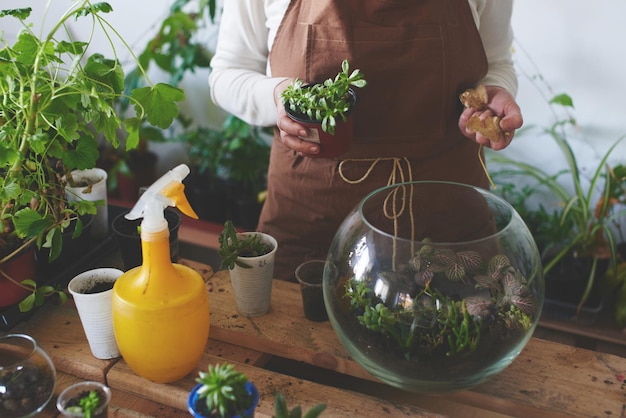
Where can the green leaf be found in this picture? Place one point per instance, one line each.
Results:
(84, 156)
(315, 411)
(562, 99)
(21, 14)
(106, 71)
(29, 223)
(93, 9)
(132, 126)
(27, 303)
(78, 229)
(8, 156)
(159, 103)
(54, 241)
(74, 48)
(67, 127)
(27, 48)
(108, 125)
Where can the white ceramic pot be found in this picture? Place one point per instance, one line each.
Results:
(253, 286)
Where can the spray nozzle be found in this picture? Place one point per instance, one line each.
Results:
(168, 190)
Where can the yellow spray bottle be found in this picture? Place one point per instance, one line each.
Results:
(161, 309)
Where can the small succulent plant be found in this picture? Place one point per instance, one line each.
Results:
(324, 102)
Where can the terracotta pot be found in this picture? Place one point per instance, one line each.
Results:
(19, 268)
(331, 146)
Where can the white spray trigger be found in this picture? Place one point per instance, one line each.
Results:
(152, 202)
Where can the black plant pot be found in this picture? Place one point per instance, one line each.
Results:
(129, 240)
(209, 197)
(565, 285)
(331, 146)
(72, 249)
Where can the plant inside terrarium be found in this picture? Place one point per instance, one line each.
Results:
(431, 318)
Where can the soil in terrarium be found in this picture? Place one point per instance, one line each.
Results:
(23, 390)
(449, 322)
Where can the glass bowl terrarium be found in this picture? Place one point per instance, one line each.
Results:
(27, 377)
(433, 286)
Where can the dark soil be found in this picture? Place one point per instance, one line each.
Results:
(25, 390)
(99, 287)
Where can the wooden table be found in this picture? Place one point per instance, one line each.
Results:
(283, 352)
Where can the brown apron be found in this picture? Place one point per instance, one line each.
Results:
(417, 56)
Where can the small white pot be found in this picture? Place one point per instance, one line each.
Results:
(95, 311)
(253, 286)
(97, 190)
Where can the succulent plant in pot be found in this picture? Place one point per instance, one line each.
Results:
(325, 108)
(249, 257)
(57, 98)
(223, 392)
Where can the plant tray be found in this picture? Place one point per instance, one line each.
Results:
(563, 311)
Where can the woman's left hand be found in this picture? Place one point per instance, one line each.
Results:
(502, 104)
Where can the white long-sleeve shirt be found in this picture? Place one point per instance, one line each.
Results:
(241, 81)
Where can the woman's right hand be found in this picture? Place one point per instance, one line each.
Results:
(290, 130)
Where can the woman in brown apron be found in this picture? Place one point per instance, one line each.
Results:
(417, 56)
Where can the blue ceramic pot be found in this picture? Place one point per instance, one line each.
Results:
(249, 413)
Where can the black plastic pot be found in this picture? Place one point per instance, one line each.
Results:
(72, 249)
(565, 285)
(331, 146)
(129, 240)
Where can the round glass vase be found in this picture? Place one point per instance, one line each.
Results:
(433, 286)
(27, 376)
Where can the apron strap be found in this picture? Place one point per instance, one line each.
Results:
(390, 204)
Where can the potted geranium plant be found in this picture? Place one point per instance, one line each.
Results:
(56, 97)
(325, 108)
(223, 392)
(249, 257)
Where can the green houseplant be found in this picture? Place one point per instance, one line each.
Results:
(581, 231)
(325, 102)
(176, 50)
(222, 391)
(282, 411)
(234, 245)
(325, 108)
(57, 97)
(229, 171)
(249, 257)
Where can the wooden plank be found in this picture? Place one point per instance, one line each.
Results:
(283, 332)
(57, 329)
(340, 403)
(59, 332)
(547, 379)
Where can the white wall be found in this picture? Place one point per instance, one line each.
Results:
(577, 46)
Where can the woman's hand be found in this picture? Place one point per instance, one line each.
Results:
(290, 130)
(502, 104)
